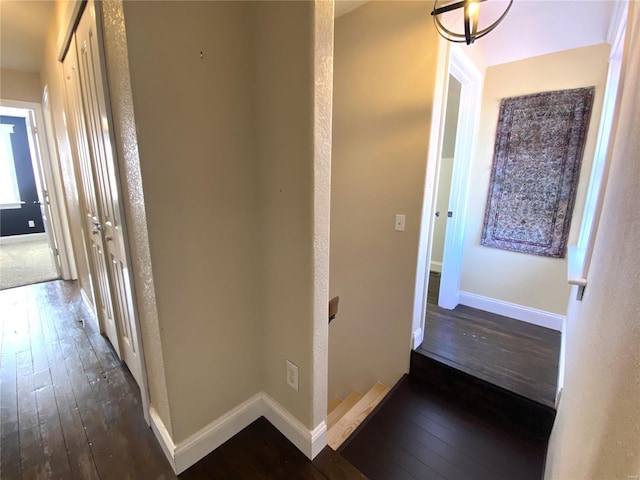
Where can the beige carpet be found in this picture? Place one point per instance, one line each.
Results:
(25, 263)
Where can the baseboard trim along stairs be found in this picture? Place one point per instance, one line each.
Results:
(345, 416)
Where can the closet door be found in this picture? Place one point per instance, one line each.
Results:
(103, 159)
(92, 214)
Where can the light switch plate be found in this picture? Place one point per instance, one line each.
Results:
(400, 220)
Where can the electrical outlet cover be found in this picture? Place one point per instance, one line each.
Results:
(292, 375)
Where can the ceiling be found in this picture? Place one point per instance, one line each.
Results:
(23, 30)
(539, 27)
(531, 28)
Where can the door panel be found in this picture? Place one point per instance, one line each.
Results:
(43, 192)
(103, 158)
(93, 231)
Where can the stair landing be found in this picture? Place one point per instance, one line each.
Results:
(422, 433)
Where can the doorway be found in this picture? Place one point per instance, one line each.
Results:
(443, 187)
(461, 145)
(29, 250)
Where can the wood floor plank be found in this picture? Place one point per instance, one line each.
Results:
(9, 431)
(259, 452)
(31, 450)
(56, 463)
(97, 411)
(332, 465)
(78, 451)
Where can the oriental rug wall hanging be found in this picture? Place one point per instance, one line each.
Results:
(536, 165)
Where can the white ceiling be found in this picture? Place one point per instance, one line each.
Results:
(531, 28)
(23, 29)
(539, 27)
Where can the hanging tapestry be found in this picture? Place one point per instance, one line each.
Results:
(536, 165)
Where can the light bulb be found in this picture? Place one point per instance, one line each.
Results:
(473, 9)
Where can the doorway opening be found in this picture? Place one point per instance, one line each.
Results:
(29, 250)
(443, 189)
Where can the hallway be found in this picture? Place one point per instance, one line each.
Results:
(68, 408)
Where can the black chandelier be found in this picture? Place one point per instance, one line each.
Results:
(471, 14)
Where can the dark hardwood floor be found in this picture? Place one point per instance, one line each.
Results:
(69, 409)
(422, 434)
(517, 356)
(260, 451)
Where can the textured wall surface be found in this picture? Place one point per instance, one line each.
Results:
(597, 430)
(527, 280)
(119, 84)
(384, 78)
(323, 98)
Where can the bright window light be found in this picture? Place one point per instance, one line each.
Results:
(9, 193)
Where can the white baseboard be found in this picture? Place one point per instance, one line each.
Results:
(417, 338)
(205, 441)
(29, 237)
(512, 310)
(309, 442)
(163, 436)
(189, 451)
(435, 266)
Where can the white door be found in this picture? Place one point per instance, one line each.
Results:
(103, 159)
(43, 189)
(89, 201)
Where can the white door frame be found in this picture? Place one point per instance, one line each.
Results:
(463, 69)
(59, 222)
(451, 60)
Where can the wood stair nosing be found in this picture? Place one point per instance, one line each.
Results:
(347, 423)
(341, 409)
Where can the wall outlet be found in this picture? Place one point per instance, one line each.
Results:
(292, 375)
(32, 224)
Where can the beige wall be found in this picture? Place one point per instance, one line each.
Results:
(384, 77)
(527, 280)
(200, 183)
(597, 428)
(21, 86)
(284, 110)
(226, 149)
